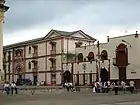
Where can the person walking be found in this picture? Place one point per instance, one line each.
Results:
(7, 88)
(13, 87)
(71, 86)
(108, 86)
(123, 86)
(93, 87)
(132, 86)
(116, 88)
(67, 86)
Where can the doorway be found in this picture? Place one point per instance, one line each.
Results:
(122, 73)
(122, 55)
(104, 75)
(67, 76)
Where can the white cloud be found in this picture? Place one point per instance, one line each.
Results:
(96, 19)
(42, 30)
(32, 33)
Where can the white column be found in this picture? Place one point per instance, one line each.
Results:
(1, 46)
(3, 9)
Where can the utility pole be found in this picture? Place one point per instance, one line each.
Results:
(98, 61)
(9, 64)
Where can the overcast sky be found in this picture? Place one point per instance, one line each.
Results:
(28, 19)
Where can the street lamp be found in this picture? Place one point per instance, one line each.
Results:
(9, 64)
(98, 61)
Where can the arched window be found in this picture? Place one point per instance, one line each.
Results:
(90, 56)
(29, 50)
(29, 65)
(104, 55)
(80, 57)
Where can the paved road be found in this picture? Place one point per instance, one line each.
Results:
(65, 98)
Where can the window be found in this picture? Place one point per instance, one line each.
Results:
(29, 50)
(104, 55)
(29, 65)
(90, 56)
(80, 57)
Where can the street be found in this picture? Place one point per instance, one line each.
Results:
(69, 98)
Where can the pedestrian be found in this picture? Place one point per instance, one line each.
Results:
(67, 86)
(108, 86)
(71, 86)
(13, 87)
(98, 87)
(7, 88)
(132, 86)
(93, 87)
(116, 88)
(123, 86)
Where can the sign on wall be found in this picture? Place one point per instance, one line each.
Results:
(84, 66)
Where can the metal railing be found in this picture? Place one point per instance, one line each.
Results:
(34, 69)
(35, 55)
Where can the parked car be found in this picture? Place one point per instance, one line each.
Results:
(21, 82)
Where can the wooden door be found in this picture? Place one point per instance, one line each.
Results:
(122, 73)
(122, 55)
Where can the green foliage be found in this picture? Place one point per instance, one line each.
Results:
(70, 57)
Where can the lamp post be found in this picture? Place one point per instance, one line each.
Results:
(98, 61)
(9, 64)
(3, 9)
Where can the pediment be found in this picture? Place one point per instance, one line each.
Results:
(78, 35)
(81, 34)
(51, 34)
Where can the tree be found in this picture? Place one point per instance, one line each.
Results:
(70, 57)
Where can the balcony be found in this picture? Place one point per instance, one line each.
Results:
(35, 70)
(53, 68)
(52, 52)
(35, 55)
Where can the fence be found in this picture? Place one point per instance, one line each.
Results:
(84, 78)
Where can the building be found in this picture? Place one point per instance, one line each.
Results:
(3, 9)
(42, 59)
(120, 57)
